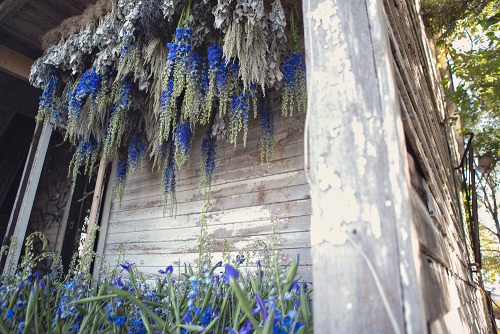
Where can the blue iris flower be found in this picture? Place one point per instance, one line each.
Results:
(167, 270)
(230, 273)
(126, 266)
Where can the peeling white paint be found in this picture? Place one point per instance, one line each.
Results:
(334, 128)
(371, 215)
(404, 234)
(404, 275)
(370, 150)
(359, 137)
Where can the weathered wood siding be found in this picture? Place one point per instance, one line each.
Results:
(245, 195)
(452, 300)
(50, 209)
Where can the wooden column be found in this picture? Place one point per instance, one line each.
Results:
(94, 209)
(106, 210)
(21, 212)
(364, 246)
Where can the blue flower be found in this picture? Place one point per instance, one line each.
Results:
(167, 270)
(230, 273)
(136, 149)
(126, 266)
(10, 314)
(208, 154)
(120, 321)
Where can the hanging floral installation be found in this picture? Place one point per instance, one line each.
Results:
(135, 79)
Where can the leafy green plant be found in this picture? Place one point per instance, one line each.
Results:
(200, 299)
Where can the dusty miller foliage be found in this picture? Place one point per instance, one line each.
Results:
(126, 50)
(275, 24)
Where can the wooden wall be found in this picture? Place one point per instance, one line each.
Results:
(50, 207)
(245, 195)
(452, 300)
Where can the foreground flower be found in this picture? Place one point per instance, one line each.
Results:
(230, 273)
(167, 270)
(126, 266)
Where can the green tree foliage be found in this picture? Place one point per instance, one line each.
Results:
(468, 33)
(490, 255)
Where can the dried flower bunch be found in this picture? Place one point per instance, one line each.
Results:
(136, 81)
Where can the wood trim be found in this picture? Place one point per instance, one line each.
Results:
(21, 212)
(106, 210)
(14, 63)
(96, 204)
(63, 224)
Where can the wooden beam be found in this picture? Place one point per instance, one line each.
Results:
(14, 63)
(106, 210)
(21, 212)
(364, 245)
(9, 8)
(94, 209)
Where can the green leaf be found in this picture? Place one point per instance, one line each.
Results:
(193, 328)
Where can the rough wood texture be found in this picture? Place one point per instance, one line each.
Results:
(18, 222)
(15, 63)
(50, 210)
(359, 179)
(451, 299)
(244, 196)
(10, 7)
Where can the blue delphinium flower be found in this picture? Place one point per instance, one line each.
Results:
(88, 85)
(47, 108)
(216, 77)
(176, 77)
(238, 116)
(266, 141)
(192, 98)
(120, 178)
(136, 150)
(294, 83)
(183, 141)
(169, 194)
(208, 155)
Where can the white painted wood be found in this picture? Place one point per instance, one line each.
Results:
(360, 182)
(24, 200)
(244, 196)
(59, 238)
(106, 210)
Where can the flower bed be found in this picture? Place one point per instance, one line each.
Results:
(206, 297)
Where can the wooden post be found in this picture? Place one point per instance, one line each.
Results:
(18, 222)
(94, 209)
(106, 210)
(365, 253)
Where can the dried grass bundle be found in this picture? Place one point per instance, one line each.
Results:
(72, 25)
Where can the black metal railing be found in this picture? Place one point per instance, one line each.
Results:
(469, 186)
